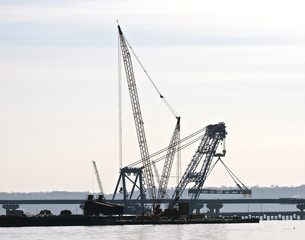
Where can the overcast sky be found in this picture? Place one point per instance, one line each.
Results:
(238, 62)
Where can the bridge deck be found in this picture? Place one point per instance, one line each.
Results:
(292, 201)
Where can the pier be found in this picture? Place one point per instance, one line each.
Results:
(276, 215)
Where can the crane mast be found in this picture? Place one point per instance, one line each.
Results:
(139, 124)
(169, 161)
(195, 173)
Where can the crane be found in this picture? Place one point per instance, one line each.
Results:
(148, 176)
(156, 171)
(196, 173)
(197, 170)
(169, 160)
(101, 193)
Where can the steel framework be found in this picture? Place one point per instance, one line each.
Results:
(196, 173)
(172, 149)
(148, 177)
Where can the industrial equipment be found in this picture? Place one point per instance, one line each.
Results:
(172, 149)
(101, 192)
(197, 170)
(196, 173)
(148, 176)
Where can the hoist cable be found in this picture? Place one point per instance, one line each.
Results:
(173, 111)
(178, 149)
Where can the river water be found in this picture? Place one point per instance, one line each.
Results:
(265, 230)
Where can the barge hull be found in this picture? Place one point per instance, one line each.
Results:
(80, 220)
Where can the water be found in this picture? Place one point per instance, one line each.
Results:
(275, 230)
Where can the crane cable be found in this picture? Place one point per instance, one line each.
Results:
(165, 149)
(178, 149)
(120, 105)
(232, 175)
(173, 111)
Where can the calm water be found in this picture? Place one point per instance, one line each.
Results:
(264, 230)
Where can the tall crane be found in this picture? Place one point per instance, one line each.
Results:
(196, 173)
(101, 193)
(148, 176)
(169, 160)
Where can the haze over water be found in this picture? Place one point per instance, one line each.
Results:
(267, 230)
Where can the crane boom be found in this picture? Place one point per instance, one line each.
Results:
(98, 179)
(169, 161)
(156, 171)
(148, 174)
(196, 173)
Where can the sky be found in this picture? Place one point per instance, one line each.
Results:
(238, 62)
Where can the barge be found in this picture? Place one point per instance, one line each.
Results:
(99, 212)
(81, 220)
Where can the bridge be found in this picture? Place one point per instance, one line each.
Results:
(291, 201)
(213, 205)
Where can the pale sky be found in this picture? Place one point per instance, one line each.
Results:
(238, 62)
